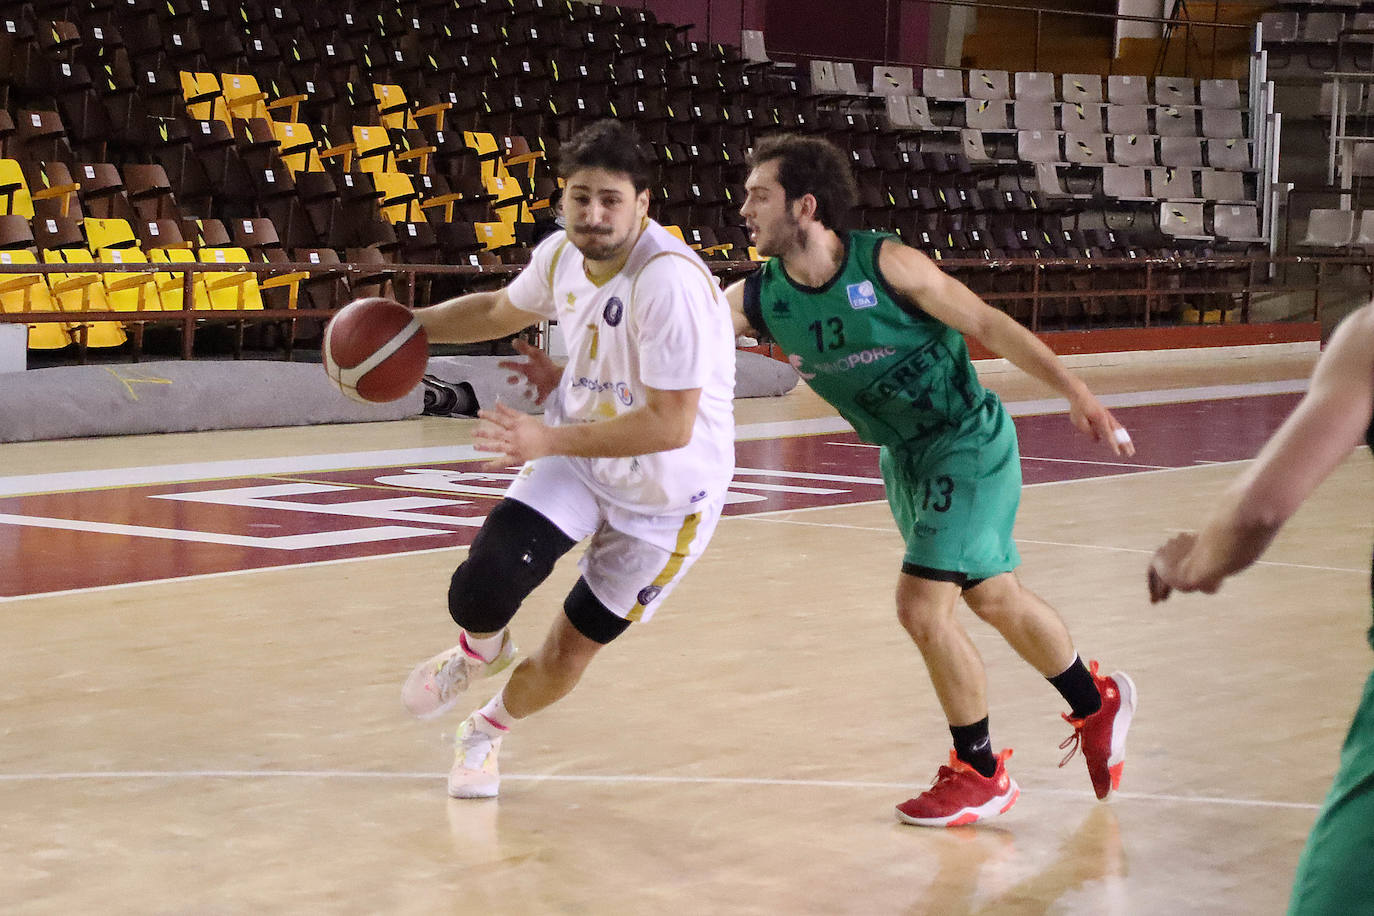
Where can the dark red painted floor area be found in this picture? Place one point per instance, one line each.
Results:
(56, 540)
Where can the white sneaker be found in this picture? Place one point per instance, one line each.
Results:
(434, 686)
(475, 773)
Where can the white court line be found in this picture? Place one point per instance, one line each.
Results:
(886, 528)
(1106, 464)
(618, 778)
(104, 479)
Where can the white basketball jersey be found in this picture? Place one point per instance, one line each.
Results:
(661, 322)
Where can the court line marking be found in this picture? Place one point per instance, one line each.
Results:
(761, 517)
(112, 478)
(621, 778)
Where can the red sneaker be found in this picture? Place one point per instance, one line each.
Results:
(961, 795)
(1102, 735)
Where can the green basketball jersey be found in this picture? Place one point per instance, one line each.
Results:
(902, 378)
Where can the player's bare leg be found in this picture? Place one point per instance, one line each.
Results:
(975, 784)
(539, 681)
(1101, 706)
(1033, 628)
(925, 609)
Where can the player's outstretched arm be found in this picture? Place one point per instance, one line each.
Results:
(474, 317)
(918, 279)
(1330, 421)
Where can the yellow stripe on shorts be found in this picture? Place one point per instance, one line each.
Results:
(685, 535)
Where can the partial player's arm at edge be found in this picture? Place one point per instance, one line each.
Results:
(474, 317)
(915, 277)
(734, 294)
(1330, 421)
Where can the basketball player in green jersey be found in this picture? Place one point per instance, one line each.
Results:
(1336, 415)
(875, 329)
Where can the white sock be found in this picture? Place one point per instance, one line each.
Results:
(487, 648)
(493, 719)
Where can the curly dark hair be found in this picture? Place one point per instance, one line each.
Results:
(609, 145)
(810, 165)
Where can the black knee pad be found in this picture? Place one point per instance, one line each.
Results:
(590, 617)
(514, 552)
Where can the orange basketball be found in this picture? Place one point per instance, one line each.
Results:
(375, 350)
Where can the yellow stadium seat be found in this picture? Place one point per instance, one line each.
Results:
(30, 293)
(108, 233)
(204, 98)
(675, 232)
(130, 292)
(495, 235)
(171, 286)
(394, 106)
(372, 148)
(297, 147)
(14, 190)
(231, 290)
(400, 201)
(83, 292)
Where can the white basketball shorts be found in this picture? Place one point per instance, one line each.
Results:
(633, 561)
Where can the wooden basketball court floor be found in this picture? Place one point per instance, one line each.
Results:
(205, 636)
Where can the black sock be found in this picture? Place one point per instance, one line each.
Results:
(973, 746)
(1075, 684)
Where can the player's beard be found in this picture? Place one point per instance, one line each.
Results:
(779, 238)
(598, 245)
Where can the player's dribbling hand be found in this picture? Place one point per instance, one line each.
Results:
(516, 437)
(540, 371)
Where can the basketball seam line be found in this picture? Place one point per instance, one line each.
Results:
(353, 375)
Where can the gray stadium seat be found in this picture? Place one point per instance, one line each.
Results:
(1228, 154)
(1128, 119)
(1174, 184)
(1086, 149)
(986, 114)
(1223, 187)
(1134, 149)
(1083, 117)
(1034, 86)
(1128, 90)
(989, 84)
(1182, 152)
(1038, 146)
(1237, 222)
(1218, 93)
(1279, 26)
(939, 83)
(1080, 87)
(1175, 121)
(1125, 183)
(1223, 123)
(891, 81)
(1175, 90)
(1182, 220)
(1037, 115)
(1329, 229)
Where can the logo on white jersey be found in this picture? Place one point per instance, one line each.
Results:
(613, 312)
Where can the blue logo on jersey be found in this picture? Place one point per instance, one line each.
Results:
(647, 595)
(613, 312)
(862, 295)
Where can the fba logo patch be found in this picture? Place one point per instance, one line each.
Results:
(862, 295)
(615, 310)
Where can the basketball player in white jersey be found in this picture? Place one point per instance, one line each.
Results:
(635, 449)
